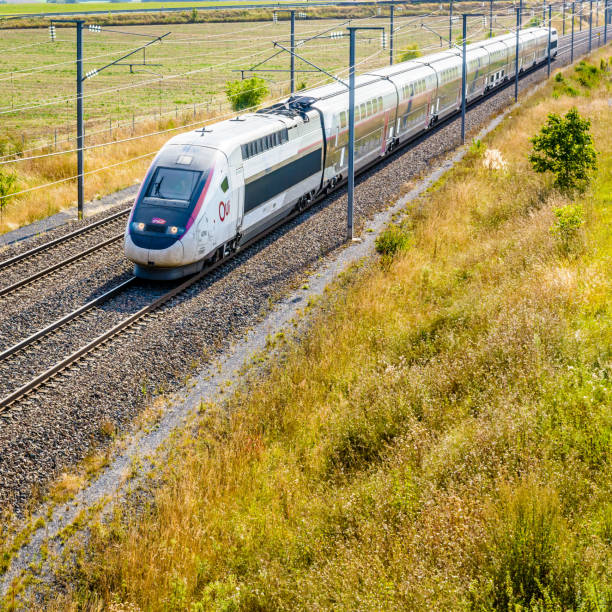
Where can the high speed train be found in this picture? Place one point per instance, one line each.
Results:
(210, 190)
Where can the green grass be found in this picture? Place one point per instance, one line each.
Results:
(439, 440)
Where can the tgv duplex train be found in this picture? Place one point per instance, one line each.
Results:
(210, 190)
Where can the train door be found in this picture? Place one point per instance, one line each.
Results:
(385, 131)
(237, 191)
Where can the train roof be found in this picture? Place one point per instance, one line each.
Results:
(226, 135)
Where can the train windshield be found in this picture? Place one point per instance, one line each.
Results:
(173, 185)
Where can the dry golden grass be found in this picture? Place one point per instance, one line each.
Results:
(66, 486)
(440, 440)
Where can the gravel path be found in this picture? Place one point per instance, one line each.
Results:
(60, 426)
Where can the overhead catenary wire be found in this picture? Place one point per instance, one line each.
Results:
(169, 77)
(37, 187)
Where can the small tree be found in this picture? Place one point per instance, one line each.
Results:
(247, 93)
(7, 187)
(564, 147)
(409, 52)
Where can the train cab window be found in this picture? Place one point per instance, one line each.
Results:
(172, 185)
(225, 185)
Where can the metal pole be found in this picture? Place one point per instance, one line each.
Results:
(521, 10)
(590, 25)
(463, 79)
(581, 10)
(491, 19)
(516, 59)
(549, 34)
(391, 16)
(606, 22)
(564, 18)
(450, 25)
(79, 80)
(292, 65)
(351, 152)
(572, 45)
(543, 13)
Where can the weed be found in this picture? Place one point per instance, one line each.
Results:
(477, 148)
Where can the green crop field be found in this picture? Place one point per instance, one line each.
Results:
(43, 7)
(190, 66)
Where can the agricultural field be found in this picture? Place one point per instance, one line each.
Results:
(43, 7)
(181, 83)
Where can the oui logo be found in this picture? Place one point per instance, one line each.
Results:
(224, 209)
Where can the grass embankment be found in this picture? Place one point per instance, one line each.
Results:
(440, 439)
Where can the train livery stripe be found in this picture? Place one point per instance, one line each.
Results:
(265, 188)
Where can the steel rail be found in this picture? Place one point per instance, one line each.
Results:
(61, 239)
(7, 401)
(65, 319)
(57, 266)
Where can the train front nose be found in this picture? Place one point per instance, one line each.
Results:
(155, 252)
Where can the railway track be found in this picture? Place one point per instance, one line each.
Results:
(35, 386)
(12, 269)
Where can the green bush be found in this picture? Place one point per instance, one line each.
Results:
(409, 52)
(564, 147)
(391, 242)
(568, 221)
(247, 93)
(587, 74)
(7, 187)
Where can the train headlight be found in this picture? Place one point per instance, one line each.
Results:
(140, 226)
(174, 230)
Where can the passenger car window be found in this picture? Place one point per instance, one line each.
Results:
(225, 184)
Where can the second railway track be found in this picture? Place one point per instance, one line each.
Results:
(29, 266)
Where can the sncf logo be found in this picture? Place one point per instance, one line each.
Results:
(158, 221)
(224, 209)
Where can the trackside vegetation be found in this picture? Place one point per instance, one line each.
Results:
(440, 437)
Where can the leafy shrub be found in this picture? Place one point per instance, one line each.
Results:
(587, 74)
(247, 93)
(7, 187)
(564, 147)
(409, 52)
(568, 221)
(391, 242)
